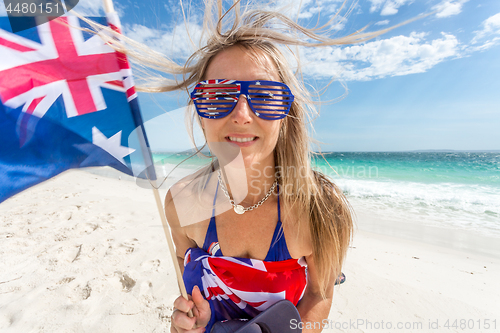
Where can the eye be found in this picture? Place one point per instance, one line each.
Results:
(217, 90)
(213, 98)
(268, 92)
(270, 101)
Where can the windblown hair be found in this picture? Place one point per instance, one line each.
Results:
(260, 31)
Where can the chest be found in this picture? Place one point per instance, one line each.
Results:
(246, 236)
(250, 235)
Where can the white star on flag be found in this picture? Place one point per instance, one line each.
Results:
(111, 145)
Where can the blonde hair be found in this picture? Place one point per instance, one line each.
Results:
(259, 31)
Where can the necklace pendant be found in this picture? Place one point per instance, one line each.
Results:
(239, 209)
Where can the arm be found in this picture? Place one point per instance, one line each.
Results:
(313, 309)
(197, 303)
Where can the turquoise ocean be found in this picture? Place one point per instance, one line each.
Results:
(457, 190)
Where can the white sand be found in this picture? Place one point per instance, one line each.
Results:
(87, 253)
(396, 280)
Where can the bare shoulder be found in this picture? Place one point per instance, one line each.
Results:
(179, 234)
(174, 198)
(188, 208)
(174, 190)
(170, 211)
(178, 202)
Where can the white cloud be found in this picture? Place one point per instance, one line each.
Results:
(305, 9)
(400, 55)
(338, 23)
(174, 43)
(485, 45)
(492, 24)
(490, 28)
(90, 8)
(384, 22)
(376, 5)
(387, 7)
(449, 8)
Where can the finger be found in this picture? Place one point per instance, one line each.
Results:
(181, 321)
(180, 330)
(182, 304)
(198, 330)
(173, 329)
(198, 299)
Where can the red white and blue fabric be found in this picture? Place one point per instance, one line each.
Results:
(67, 101)
(240, 287)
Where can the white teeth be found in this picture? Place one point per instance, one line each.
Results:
(241, 139)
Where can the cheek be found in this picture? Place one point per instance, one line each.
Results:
(211, 128)
(275, 130)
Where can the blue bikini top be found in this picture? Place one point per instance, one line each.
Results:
(278, 250)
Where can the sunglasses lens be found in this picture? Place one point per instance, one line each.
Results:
(215, 98)
(270, 101)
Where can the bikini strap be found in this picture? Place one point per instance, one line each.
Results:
(215, 199)
(211, 238)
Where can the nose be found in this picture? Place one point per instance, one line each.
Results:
(242, 113)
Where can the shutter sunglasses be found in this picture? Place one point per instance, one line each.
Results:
(216, 99)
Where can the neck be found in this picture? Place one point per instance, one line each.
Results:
(259, 179)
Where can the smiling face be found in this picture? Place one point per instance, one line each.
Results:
(256, 137)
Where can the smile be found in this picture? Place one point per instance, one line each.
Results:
(234, 139)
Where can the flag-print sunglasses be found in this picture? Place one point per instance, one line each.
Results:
(216, 99)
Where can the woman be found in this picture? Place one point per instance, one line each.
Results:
(250, 235)
(292, 214)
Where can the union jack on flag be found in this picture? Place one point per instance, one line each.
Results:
(67, 101)
(240, 287)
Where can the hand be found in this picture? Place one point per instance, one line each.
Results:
(181, 323)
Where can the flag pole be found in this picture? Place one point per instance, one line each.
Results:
(108, 6)
(109, 9)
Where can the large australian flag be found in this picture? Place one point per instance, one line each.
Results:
(67, 100)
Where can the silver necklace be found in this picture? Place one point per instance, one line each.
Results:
(239, 209)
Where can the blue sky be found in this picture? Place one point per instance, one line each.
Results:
(430, 84)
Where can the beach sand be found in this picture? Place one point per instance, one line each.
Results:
(87, 253)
